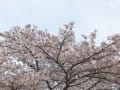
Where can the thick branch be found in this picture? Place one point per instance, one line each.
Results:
(88, 58)
(93, 85)
(61, 45)
(48, 84)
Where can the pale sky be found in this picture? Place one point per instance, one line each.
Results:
(103, 15)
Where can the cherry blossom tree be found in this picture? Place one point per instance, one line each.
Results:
(32, 59)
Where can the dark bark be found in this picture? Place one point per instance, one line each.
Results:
(66, 87)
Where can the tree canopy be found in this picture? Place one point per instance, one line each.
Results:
(33, 59)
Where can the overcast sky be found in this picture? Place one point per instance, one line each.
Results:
(103, 15)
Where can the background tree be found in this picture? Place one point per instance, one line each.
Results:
(32, 59)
